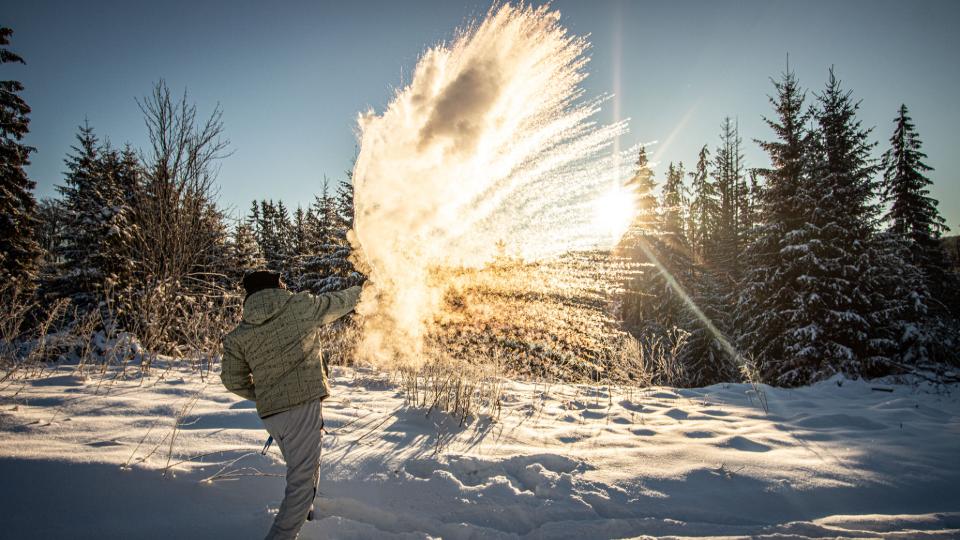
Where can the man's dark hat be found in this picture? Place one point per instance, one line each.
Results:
(260, 280)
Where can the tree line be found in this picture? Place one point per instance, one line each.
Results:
(828, 261)
(309, 248)
(135, 239)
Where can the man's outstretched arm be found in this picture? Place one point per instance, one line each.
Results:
(328, 307)
(235, 372)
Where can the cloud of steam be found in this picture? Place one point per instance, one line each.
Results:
(489, 150)
(460, 109)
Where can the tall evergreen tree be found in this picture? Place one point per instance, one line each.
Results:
(751, 214)
(673, 204)
(246, 251)
(329, 267)
(724, 254)
(767, 293)
(647, 219)
(317, 272)
(216, 261)
(79, 205)
(116, 228)
(638, 303)
(300, 248)
(345, 200)
(650, 306)
(95, 247)
(285, 257)
(345, 209)
(657, 300)
(833, 327)
(704, 206)
(271, 228)
(705, 359)
(301, 233)
(255, 221)
(328, 221)
(49, 234)
(913, 214)
(19, 251)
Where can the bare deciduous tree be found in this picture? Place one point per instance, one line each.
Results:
(179, 233)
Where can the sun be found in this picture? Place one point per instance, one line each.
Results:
(613, 211)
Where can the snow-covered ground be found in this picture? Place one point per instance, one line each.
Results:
(85, 458)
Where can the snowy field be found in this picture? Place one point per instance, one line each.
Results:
(98, 458)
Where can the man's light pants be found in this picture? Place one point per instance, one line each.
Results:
(297, 433)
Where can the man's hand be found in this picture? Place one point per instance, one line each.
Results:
(357, 257)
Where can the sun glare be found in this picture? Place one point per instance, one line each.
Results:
(613, 211)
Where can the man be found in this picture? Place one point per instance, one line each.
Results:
(274, 357)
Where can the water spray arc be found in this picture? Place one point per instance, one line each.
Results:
(491, 149)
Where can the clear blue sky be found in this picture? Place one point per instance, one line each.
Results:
(291, 76)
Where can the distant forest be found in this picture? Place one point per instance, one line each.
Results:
(828, 261)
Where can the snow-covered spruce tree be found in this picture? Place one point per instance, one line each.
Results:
(767, 293)
(255, 222)
(217, 261)
(300, 249)
(118, 191)
(329, 269)
(96, 230)
(77, 201)
(913, 214)
(910, 333)
(651, 308)
(246, 255)
(647, 221)
(323, 239)
(271, 228)
(833, 326)
(751, 214)
(284, 259)
(639, 244)
(724, 253)
(301, 232)
(704, 206)
(49, 233)
(261, 218)
(349, 276)
(19, 251)
(703, 358)
(345, 200)
(673, 203)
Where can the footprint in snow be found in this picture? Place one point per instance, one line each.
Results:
(745, 445)
(100, 444)
(677, 414)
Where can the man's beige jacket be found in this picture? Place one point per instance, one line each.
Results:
(274, 356)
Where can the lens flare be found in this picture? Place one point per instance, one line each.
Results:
(614, 211)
